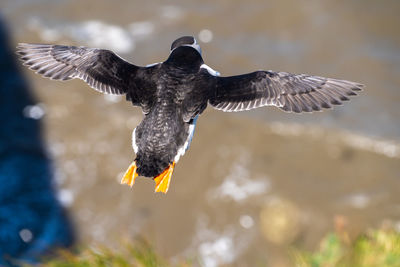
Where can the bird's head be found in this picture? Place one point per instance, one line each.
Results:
(186, 41)
(185, 54)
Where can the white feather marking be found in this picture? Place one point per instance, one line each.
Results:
(248, 105)
(210, 70)
(134, 145)
(152, 64)
(256, 104)
(186, 146)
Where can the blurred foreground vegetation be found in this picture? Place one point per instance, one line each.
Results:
(374, 248)
(140, 254)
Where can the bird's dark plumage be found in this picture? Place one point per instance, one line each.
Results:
(173, 93)
(290, 92)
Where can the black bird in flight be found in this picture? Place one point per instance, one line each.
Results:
(173, 93)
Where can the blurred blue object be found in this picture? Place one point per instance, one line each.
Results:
(32, 221)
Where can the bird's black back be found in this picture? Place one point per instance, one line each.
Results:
(180, 94)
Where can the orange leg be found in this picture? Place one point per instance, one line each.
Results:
(130, 175)
(163, 179)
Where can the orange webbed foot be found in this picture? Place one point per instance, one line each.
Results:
(163, 179)
(130, 175)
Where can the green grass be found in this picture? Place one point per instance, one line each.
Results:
(140, 254)
(375, 248)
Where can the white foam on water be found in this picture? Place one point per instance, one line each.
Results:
(172, 12)
(50, 35)
(359, 201)
(98, 34)
(219, 247)
(95, 33)
(217, 252)
(212, 247)
(141, 29)
(388, 148)
(238, 185)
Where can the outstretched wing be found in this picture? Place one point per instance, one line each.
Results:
(290, 92)
(102, 69)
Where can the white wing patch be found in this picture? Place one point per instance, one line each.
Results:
(134, 145)
(210, 70)
(186, 146)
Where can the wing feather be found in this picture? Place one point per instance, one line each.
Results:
(102, 69)
(289, 92)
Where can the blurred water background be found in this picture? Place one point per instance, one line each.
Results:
(254, 183)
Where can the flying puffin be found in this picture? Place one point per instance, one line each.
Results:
(173, 93)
